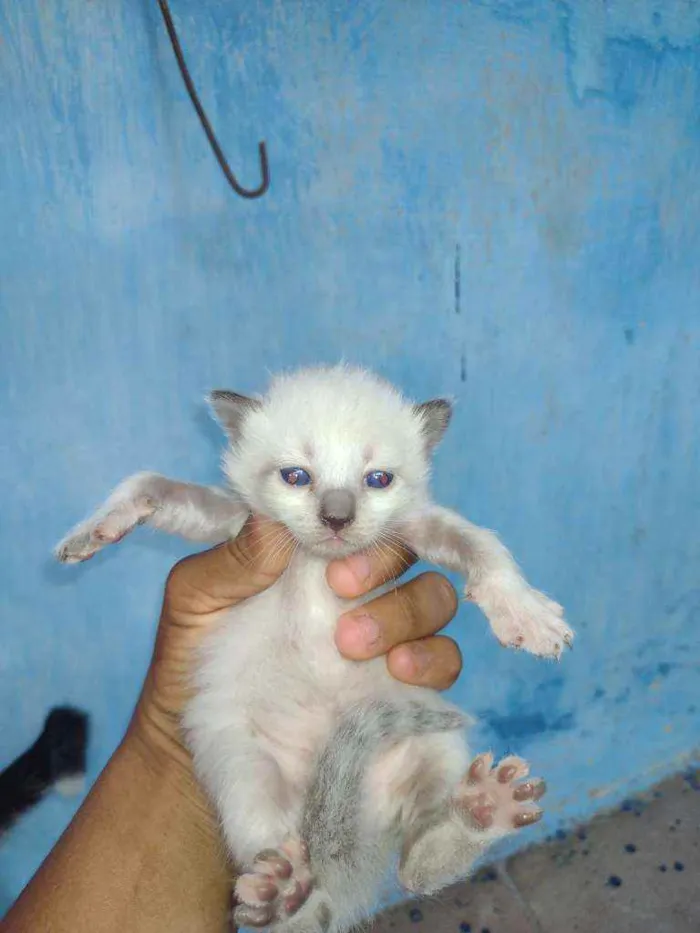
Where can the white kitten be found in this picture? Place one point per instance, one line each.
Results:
(322, 769)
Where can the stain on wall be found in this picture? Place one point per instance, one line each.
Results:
(493, 200)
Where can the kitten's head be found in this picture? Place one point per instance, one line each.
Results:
(335, 454)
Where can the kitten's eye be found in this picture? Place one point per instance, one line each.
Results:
(379, 479)
(295, 476)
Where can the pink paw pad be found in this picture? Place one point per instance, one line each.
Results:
(498, 798)
(278, 884)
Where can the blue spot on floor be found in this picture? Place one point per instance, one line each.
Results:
(614, 881)
(416, 915)
(465, 928)
(630, 847)
(632, 806)
(678, 866)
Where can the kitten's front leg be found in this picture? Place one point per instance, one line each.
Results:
(198, 513)
(520, 616)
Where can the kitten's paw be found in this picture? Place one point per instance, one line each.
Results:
(276, 886)
(107, 528)
(522, 617)
(497, 798)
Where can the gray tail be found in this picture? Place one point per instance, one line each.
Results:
(332, 805)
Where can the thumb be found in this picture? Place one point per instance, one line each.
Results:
(233, 571)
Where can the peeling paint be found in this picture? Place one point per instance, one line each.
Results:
(615, 47)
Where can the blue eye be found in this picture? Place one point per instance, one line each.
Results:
(379, 479)
(295, 476)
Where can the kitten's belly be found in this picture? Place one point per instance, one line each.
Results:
(273, 674)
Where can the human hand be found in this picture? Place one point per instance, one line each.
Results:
(400, 624)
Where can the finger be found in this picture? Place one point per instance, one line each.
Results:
(233, 571)
(429, 662)
(420, 607)
(361, 573)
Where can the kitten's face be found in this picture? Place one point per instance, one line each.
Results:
(337, 456)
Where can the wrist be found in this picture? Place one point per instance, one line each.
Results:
(153, 743)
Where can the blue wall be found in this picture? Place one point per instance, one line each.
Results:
(545, 155)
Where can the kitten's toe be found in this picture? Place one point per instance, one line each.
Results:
(530, 790)
(256, 890)
(294, 896)
(245, 916)
(274, 863)
(480, 767)
(511, 769)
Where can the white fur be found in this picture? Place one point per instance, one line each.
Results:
(270, 683)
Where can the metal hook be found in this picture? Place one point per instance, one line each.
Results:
(206, 125)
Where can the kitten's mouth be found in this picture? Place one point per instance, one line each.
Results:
(336, 540)
(335, 545)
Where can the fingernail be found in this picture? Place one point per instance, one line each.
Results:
(367, 629)
(360, 567)
(356, 634)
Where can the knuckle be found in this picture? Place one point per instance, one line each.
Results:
(410, 612)
(175, 580)
(180, 585)
(442, 593)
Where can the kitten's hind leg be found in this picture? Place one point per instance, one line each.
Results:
(519, 615)
(488, 803)
(198, 513)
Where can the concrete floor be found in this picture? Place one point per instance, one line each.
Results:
(636, 870)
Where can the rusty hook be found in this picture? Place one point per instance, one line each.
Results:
(249, 193)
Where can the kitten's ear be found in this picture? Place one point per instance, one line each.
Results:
(434, 417)
(230, 409)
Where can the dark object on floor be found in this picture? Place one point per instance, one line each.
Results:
(57, 757)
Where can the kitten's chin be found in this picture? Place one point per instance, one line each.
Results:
(334, 548)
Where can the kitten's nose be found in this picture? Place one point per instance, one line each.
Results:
(337, 508)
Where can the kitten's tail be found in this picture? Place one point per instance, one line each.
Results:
(332, 806)
(55, 760)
